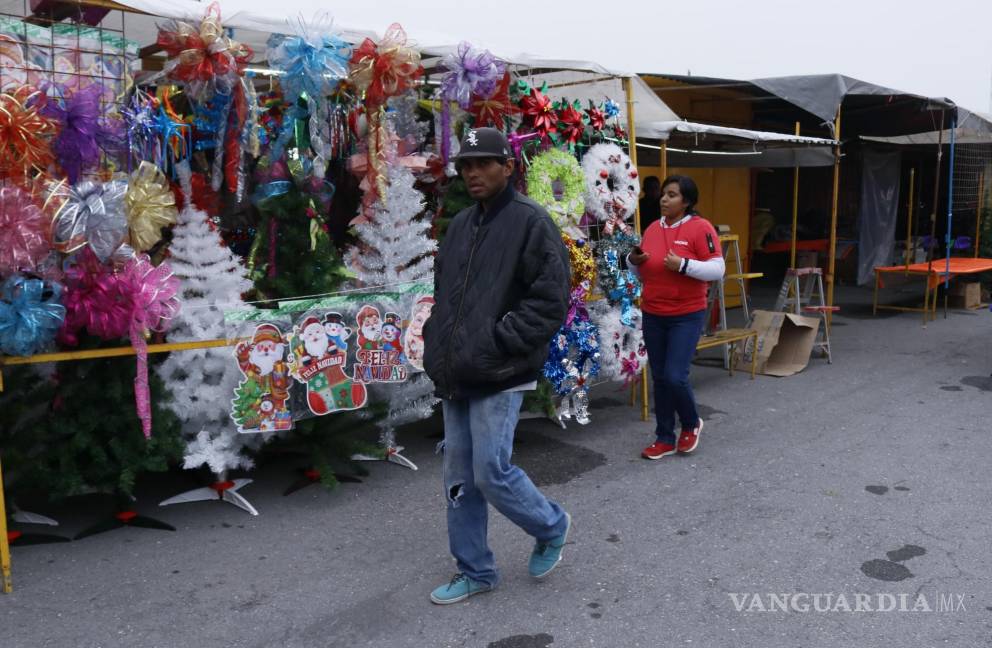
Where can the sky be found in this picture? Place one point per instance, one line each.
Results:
(908, 45)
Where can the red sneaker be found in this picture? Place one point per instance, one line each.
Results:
(689, 439)
(657, 450)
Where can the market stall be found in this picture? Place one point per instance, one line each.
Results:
(256, 203)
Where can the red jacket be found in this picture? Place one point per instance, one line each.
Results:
(666, 292)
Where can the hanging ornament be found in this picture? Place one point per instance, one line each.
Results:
(83, 131)
(31, 314)
(571, 123)
(596, 117)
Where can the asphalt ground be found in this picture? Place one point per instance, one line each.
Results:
(868, 477)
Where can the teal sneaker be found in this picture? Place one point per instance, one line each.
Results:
(460, 588)
(547, 555)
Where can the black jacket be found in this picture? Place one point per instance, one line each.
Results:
(501, 288)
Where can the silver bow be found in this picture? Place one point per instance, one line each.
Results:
(93, 215)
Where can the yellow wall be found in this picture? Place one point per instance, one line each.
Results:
(724, 199)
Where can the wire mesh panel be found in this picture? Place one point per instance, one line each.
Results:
(972, 175)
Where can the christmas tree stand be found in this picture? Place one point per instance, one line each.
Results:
(310, 476)
(223, 489)
(124, 518)
(393, 454)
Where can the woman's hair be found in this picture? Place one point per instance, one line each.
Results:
(688, 189)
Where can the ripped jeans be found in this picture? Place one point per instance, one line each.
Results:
(478, 441)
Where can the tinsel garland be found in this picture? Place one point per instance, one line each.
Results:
(620, 285)
(556, 166)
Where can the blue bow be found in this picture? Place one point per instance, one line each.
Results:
(30, 314)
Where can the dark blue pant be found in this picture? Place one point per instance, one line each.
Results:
(671, 345)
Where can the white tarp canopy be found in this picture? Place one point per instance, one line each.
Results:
(974, 128)
(663, 130)
(355, 22)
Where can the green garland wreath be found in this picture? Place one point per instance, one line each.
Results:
(551, 165)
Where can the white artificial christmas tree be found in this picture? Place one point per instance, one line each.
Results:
(396, 248)
(203, 380)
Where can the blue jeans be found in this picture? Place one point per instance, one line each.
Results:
(671, 345)
(478, 441)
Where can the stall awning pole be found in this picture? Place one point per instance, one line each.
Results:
(950, 212)
(933, 224)
(909, 218)
(795, 210)
(832, 261)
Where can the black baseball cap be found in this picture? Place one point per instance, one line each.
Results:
(484, 143)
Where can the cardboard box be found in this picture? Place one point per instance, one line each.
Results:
(965, 295)
(784, 343)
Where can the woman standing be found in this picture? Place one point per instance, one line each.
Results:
(679, 255)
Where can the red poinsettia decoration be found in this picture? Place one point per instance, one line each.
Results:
(619, 132)
(491, 111)
(539, 113)
(571, 125)
(597, 118)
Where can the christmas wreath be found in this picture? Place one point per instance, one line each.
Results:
(612, 186)
(547, 168)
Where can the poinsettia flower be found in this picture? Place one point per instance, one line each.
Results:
(597, 118)
(571, 124)
(490, 111)
(539, 112)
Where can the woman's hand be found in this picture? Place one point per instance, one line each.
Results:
(637, 256)
(673, 261)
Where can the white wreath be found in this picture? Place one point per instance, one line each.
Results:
(612, 185)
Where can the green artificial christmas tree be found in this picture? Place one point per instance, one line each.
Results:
(293, 256)
(77, 431)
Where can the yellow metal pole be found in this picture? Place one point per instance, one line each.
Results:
(7, 586)
(909, 217)
(628, 88)
(831, 261)
(978, 211)
(933, 224)
(795, 209)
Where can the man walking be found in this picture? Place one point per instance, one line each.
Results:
(501, 286)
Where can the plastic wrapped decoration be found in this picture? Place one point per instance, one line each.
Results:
(573, 358)
(150, 206)
(380, 71)
(201, 57)
(31, 313)
(24, 235)
(612, 186)
(623, 353)
(314, 61)
(581, 260)
(92, 215)
(620, 285)
(24, 133)
(556, 166)
(470, 73)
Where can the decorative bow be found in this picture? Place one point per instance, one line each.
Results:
(150, 206)
(24, 133)
(154, 302)
(92, 215)
(30, 314)
(470, 72)
(202, 57)
(77, 146)
(611, 109)
(24, 242)
(577, 304)
(387, 68)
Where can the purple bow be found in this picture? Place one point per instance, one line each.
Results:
(577, 305)
(470, 71)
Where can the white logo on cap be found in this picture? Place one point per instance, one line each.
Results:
(472, 139)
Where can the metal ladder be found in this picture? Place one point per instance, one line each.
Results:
(806, 297)
(717, 293)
